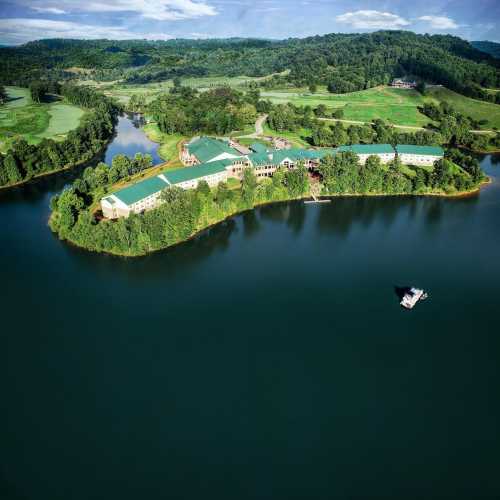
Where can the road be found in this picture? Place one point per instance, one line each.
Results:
(259, 129)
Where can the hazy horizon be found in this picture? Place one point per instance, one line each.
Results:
(22, 21)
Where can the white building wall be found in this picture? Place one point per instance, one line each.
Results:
(114, 210)
(412, 159)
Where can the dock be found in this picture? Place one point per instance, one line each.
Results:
(315, 195)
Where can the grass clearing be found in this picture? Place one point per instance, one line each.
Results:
(21, 117)
(298, 138)
(479, 110)
(396, 106)
(123, 91)
(63, 118)
(169, 144)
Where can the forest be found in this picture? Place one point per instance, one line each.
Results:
(343, 62)
(491, 48)
(219, 111)
(24, 161)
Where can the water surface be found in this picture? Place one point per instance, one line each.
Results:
(266, 359)
(130, 139)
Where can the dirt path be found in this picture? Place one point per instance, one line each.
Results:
(259, 128)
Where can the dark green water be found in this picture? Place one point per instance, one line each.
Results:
(267, 359)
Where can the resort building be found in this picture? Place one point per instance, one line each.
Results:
(400, 83)
(419, 155)
(145, 194)
(385, 152)
(136, 198)
(205, 150)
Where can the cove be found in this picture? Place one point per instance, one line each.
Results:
(266, 358)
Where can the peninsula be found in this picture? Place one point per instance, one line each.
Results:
(126, 210)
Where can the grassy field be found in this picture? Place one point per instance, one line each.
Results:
(169, 144)
(479, 110)
(297, 138)
(123, 92)
(396, 106)
(21, 117)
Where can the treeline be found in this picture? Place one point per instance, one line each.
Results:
(25, 161)
(288, 117)
(343, 174)
(343, 62)
(451, 127)
(222, 110)
(455, 129)
(491, 48)
(182, 214)
(39, 89)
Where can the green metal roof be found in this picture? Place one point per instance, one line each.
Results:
(419, 150)
(258, 147)
(372, 149)
(140, 190)
(207, 148)
(276, 156)
(366, 149)
(191, 173)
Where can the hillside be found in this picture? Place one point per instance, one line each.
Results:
(344, 62)
(491, 48)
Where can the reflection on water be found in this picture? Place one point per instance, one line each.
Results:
(130, 139)
(273, 341)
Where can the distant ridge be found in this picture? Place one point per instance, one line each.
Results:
(491, 48)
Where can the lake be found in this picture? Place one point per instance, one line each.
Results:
(130, 139)
(266, 359)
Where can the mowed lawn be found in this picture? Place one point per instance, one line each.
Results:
(63, 118)
(396, 106)
(21, 117)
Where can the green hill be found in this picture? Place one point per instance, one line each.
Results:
(343, 62)
(491, 48)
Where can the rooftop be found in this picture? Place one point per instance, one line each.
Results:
(207, 148)
(191, 173)
(140, 190)
(258, 147)
(419, 150)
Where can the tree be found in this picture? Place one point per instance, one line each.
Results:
(338, 114)
(321, 111)
(248, 186)
(297, 181)
(3, 95)
(321, 135)
(421, 87)
(122, 165)
(338, 135)
(203, 188)
(313, 88)
(223, 194)
(11, 169)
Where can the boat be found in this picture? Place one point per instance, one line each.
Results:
(412, 296)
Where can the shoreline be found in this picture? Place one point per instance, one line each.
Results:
(58, 170)
(462, 194)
